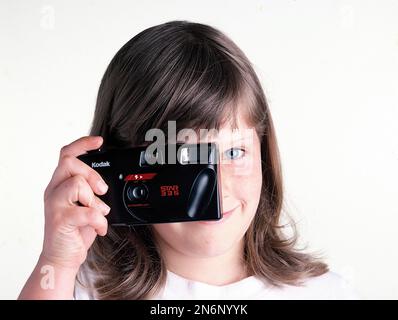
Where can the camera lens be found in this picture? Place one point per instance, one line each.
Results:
(139, 192)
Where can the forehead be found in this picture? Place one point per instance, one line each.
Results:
(228, 132)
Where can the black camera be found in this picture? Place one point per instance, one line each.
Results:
(173, 183)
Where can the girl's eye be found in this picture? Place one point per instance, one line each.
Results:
(234, 153)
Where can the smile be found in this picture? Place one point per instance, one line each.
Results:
(225, 216)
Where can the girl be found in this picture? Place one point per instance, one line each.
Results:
(195, 75)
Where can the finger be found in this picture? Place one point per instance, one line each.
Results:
(83, 216)
(73, 191)
(72, 150)
(81, 146)
(70, 166)
(76, 190)
(100, 205)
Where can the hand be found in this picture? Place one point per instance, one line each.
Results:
(74, 215)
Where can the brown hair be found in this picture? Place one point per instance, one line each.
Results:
(195, 75)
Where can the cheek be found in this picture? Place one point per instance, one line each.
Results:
(249, 199)
(248, 182)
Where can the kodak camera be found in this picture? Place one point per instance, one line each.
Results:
(174, 183)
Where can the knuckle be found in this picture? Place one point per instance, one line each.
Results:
(78, 181)
(66, 161)
(64, 151)
(46, 193)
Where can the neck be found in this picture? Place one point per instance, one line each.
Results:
(217, 270)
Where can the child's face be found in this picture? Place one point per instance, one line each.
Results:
(241, 180)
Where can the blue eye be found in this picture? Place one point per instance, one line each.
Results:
(234, 153)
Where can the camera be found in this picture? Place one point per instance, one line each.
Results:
(173, 183)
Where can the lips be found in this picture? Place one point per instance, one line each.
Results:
(229, 211)
(225, 216)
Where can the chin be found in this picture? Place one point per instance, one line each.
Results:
(203, 240)
(209, 249)
(210, 242)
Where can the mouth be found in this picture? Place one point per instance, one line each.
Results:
(225, 216)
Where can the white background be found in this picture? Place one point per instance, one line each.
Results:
(329, 70)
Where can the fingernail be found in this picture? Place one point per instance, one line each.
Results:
(106, 208)
(97, 140)
(102, 186)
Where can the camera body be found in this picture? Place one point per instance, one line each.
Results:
(144, 188)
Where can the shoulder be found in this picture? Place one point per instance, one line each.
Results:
(329, 286)
(333, 286)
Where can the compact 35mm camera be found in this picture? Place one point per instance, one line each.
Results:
(149, 187)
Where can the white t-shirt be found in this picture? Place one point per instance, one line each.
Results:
(328, 286)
